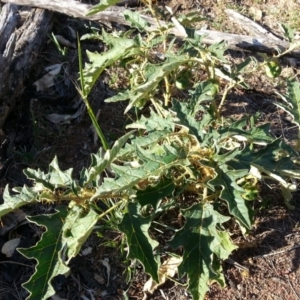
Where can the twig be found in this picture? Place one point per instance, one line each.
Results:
(277, 252)
(293, 289)
(232, 262)
(16, 263)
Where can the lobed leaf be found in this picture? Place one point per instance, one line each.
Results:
(48, 253)
(292, 101)
(204, 242)
(77, 227)
(232, 193)
(154, 165)
(100, 162)
(26, 195)
(101, 61)
(140, 244)
(135, 20)
(152, 194)
(59, 178)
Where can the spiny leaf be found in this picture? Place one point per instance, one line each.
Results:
(59, 178)
(292, 101)
(53, 179)
(232, 193)
(25, 196)
(48, 254)
(140, 244)
(275, 157)
(152, 194)
(42, 180)
(186, 118)
(143, 90)
(256, 135)
(154, 164)
(154, 123)
(135, 19)
(77, 228)
(203, 241)
(100, 162)
(101, 61)
(147, 140)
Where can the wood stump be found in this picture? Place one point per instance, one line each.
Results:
(20, 44)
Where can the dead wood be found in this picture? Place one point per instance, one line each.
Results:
(19, 47)
(260, 42)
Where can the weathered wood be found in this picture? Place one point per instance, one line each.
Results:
(19, 47)
(261, 43)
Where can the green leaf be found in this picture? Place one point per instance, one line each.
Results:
(218, 50)
(25, 196)
(143, 90)
(241, 66)
(190, 18)
(48, 253)
(275, 157)
(101, 61)
(257, 134)
(141, 245)
(77, 228)
(152, 194)
(289, 33)
(102, 6)
(232, 193)
(292, 101)
(135, 20)
(100, 161)
(204, 242)
(154, 123)
(154, 165)
(42, 180)
(59, 178)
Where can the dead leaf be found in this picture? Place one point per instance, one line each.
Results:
(168, 269)
(64, 42)
(47, 80)
(256, 13)
(62, 119)
(10, 246)
(86, 251)
(72, 32)
(106, 264)
(100, 279)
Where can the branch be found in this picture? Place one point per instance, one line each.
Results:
(261, 43)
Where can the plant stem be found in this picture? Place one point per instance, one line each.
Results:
(84, 97)
(110, 209)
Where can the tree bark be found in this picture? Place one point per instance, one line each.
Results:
(19, 46)
(260, 42)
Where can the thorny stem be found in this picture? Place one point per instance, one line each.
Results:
(224, 96)
(167, 92)
(157, 107)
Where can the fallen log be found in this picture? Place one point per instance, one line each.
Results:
(19, 47)
(259, 43)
